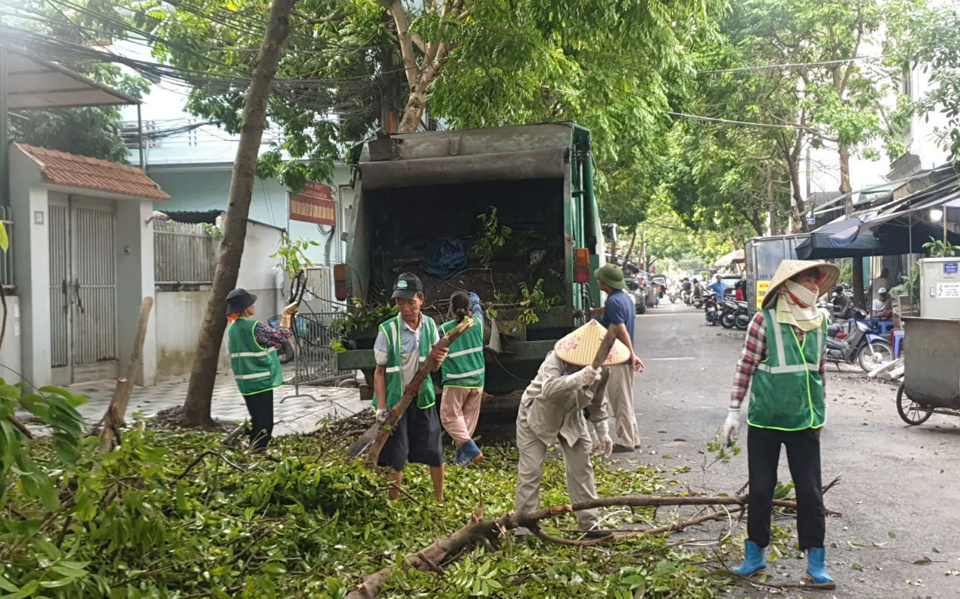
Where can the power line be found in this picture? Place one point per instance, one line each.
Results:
(789, 65)
(732, 122)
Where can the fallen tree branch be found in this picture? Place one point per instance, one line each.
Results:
(572, 542)
(478, 530)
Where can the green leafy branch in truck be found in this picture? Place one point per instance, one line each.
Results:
(493, 238)
(361, 318)
(292, 254)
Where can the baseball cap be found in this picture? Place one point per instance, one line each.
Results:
(881, 290)
(407, 286)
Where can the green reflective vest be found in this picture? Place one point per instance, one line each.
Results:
(465, 366)
(391, 328)
(256, 369)
(787, 389)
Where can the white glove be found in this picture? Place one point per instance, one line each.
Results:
(603, 435)
(588, 375)
(731, 427)
(382, 415)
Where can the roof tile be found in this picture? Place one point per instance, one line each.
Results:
(61, 168)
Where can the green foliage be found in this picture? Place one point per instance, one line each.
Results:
(534, 301)
(214, 231)
(362, 318)
(136, 523)
(56, 409)
(493, 237)
(938, 248)
(292, 256)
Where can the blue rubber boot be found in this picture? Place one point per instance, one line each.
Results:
(469, 453)
(817, 570)
(458, 455)
(753, 561)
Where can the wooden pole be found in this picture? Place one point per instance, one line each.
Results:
(113, 420)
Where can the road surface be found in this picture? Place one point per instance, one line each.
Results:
(900, 489)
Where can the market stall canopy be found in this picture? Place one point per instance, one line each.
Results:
(34, 83)
(899, 226)
(731, 258)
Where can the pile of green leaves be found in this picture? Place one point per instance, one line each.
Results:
(149, 520)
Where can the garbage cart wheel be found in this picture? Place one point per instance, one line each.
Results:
(909, 410)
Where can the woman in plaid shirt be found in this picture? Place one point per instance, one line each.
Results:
(782, 363)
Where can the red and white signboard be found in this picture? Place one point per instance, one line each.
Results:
(314, 204)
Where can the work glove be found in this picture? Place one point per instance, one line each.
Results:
(440, 354)
(286, 321)
(731, 427)
(382, 415)
(588, 376)
(603, 437)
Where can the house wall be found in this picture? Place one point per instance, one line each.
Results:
(180, 313)
(32, 279)
(10, 350)
(135, 282)
(200, 187)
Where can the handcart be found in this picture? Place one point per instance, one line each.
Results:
(931, 377)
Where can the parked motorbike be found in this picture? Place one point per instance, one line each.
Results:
(856, 342)
(840, 303)
(711, 311)
(735, 314)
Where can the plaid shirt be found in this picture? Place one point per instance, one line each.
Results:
(754, 352)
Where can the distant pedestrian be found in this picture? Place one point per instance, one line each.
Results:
(717, 288)
(619, 311)
(253, 357)
(463, 377)
(403, 343)
(782, 363)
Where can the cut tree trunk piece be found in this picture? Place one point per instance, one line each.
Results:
(376, 436)
(113, 420)
(196, 408)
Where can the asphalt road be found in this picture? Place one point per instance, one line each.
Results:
(900, 488)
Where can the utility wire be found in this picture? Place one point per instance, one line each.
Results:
(789, 65)
(732, 122)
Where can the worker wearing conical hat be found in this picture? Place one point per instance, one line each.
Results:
(552, 411)
(782, 363)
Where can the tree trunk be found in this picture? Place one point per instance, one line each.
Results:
(633, 239)
(113, 420)
(413, 111)
(845, 186)
(773, 227)
(196, 408)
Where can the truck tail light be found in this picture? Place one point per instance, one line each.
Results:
(340, 281)
(581, 265)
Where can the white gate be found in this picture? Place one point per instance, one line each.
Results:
(83, 291)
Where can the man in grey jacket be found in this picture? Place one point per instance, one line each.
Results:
(552, 411)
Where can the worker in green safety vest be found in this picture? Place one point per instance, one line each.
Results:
(253, 357)
(463, 376)
(783, 364)
(403, 343)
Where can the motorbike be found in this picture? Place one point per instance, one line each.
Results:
(735, 314)
(711, 311)
(685, 296)
(672, 294)
(840, 303)
(698, 299)
(856, 343)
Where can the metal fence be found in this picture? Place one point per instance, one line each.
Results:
(316, 361)
(6, 259)
(184, 254)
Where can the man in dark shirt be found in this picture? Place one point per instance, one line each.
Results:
(619, 311)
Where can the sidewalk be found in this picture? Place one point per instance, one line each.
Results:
(292, 415)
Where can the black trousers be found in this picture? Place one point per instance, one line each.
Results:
(260, 406)
(803, 457)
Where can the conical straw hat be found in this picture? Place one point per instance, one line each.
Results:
(829, 273)
(580, 347)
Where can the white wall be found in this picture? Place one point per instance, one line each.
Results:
(10, 351)
(135, 282)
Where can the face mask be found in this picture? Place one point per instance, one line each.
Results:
(801, 295)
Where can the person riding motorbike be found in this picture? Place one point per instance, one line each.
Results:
(686, 288)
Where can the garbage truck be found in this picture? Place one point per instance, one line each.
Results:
(508, 213)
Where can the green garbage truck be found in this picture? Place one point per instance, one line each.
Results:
(508, 213)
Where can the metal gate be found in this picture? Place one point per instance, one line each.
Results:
(83, 291)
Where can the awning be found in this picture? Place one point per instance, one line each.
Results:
(840, 239)
(34, 83)
(731, 258)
